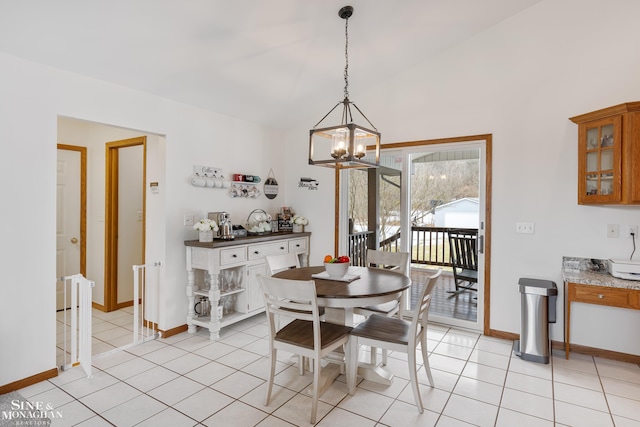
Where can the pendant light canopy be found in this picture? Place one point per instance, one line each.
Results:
(344, 145)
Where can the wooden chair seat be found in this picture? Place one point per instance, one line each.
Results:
(389, 329)
(300, 333)
(468, 275)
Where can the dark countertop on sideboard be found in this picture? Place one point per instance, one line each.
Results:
(579, 270)
(269, 237)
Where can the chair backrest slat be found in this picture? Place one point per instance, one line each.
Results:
(281, 262)
(421, 317)
(295, 299)
(384, 259)
(463, 249)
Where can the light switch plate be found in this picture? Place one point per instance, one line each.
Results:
(188, 220)
(525, 227)
(613, 230)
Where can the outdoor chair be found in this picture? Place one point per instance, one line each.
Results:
(464, 259)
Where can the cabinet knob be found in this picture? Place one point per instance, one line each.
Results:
(234, 256)
(282, 248)
(600, 296)
(256, 252)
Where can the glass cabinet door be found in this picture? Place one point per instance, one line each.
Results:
(600, 161)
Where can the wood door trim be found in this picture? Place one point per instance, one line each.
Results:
(83, 202)
(111, 214)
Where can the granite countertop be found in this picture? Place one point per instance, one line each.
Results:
(217, 243)
(588, 271)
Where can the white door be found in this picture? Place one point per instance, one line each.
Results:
(67, 219)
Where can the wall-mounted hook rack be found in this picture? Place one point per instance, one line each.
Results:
(208, 176)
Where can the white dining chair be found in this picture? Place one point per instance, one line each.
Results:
(395, 334)
(395, 261)
(280, 262)
(305, 335)
(276, 264)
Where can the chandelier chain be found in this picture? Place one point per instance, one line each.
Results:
(346, 58)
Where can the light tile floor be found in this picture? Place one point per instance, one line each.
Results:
(114, 329)
(188, 380)
(110, 331)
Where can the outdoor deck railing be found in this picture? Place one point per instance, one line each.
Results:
(430, 246)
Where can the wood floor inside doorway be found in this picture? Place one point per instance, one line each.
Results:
(463, 306)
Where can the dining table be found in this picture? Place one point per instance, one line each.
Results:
(361, 286)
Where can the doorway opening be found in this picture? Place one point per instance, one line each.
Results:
(113, 314)
(124, 218)
(429, 191)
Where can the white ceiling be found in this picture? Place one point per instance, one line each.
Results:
(275, 62)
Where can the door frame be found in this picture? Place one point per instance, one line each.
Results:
(83, 202)
(111, 216)
(340, 227)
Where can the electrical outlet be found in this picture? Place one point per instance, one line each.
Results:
(525, 227)
(188, 220)
(632, 229)
(613, 230)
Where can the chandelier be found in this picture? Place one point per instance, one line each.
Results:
(344, 146)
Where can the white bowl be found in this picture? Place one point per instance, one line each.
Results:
(336, 269)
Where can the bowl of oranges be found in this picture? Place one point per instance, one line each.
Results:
(336, 267)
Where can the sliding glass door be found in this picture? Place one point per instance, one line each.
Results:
(422, 194)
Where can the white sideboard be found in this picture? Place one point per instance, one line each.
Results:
(221, 277)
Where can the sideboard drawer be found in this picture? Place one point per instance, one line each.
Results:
(233, 255)
(603, 295)
(200, 258)
(261, 251)
(298, 245)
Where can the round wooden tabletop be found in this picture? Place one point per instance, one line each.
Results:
(373, 284)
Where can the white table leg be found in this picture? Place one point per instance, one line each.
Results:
(368, 371)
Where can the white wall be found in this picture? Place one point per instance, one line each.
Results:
(31, 99)
(519, 81)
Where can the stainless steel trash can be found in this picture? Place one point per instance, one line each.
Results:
(538, 309)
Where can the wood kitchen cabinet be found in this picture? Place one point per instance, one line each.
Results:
(609, 155)
(222, 284)
(600, 295)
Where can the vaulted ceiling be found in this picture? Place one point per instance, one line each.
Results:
(274, 62)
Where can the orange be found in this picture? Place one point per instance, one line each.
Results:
(328, 258)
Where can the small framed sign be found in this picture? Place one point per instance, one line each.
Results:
(309, 183)
(271, 186)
